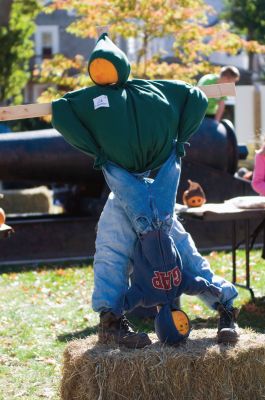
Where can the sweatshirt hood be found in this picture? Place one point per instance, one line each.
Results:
(108, 64)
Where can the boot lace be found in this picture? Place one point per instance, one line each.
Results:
(126, 325)
(226, 319)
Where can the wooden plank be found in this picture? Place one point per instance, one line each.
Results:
(40, 110)
(24, 111)
(219, 90)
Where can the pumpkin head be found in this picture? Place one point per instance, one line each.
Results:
(172, 325)
(103, 72)
(108, 65)
(181, 322)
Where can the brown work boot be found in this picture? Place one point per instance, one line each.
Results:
(113, 329)
(227, 326)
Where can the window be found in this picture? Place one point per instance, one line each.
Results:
(71, 13)
(47, 41)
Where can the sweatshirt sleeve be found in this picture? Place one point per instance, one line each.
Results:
(192, 114)
(258, 181)
(67, 123)
(197, 285)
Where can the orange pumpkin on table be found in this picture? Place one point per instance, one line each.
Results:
(194, 196)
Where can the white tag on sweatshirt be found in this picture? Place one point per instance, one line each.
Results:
(101, 101)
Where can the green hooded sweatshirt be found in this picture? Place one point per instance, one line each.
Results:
(133, 123)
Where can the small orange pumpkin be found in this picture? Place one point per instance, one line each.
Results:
(2, 217)
(172, 325)
(181, 322)
(194, 196)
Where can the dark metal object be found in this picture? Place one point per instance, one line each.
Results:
(242, 151)
(54, 239)
(44, 156)
(214, 145)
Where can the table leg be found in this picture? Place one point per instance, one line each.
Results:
(234, 246)
(247, 249)
(247, 252)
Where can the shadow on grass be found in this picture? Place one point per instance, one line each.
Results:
(67, 337)
(47, 266)
(252, 315)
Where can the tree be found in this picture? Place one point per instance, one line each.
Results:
(17, 49)
(248, 18)
(185, 20)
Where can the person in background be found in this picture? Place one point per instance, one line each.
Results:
(258, 181)
(216, 106)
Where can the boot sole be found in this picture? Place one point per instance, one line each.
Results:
(227, 337)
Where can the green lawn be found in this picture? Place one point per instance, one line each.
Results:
(40, 310)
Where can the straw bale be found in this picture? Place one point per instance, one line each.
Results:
(196, 370)
(22, 201)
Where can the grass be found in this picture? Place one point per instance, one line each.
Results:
(40, 310)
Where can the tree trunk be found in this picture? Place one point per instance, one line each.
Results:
(251, 62)
(5, 8)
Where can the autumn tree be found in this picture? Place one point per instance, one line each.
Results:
(149, 20)
(248, 18)
(16, 49)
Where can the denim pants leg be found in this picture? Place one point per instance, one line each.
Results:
(148, 203)
(113, 259)
(197, 265)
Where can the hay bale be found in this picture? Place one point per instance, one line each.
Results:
(196, 370)
(23, 201)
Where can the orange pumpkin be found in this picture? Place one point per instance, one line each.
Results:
(194, 196)
(2, 216)
(181, 322)
(172, 325)
(103, 72)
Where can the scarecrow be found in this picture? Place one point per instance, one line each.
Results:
(132, 127)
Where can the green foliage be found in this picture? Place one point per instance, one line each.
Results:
(63, 74)
(17, 49)
(247, 16)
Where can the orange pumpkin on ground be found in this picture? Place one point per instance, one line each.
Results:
(2, 217)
